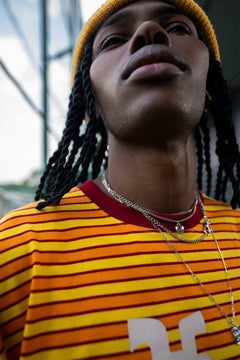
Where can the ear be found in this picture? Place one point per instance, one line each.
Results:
(97, 113)
(96, 106)
(208, 100)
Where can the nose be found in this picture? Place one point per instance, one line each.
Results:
(149, 33)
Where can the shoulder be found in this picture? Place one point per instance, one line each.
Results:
(28, 215)
(218, 205)
(215, 208)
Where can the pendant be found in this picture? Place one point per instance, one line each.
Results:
(179, 228)
(236, 333)
(207, 229)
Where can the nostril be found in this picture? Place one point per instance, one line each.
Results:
(140, 42)
(159, 38)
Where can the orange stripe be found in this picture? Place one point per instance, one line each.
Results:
(16, 324)
(105, 251)
(70, 234)
(17, 266)
(11, 297)
(14, 353)
(225, 228)
(115, 275)
(120, 330)
(124, 300)
(74, 336)
(61, 215)
(213, 341)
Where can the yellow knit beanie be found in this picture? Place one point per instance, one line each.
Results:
(110, 6)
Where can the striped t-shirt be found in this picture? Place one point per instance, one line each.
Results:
(92, 279)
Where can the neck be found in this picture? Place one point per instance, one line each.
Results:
(158, 178)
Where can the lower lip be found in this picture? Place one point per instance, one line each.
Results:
(155, 71)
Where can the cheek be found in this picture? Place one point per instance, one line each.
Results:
(95, 79)
(201, 63)
(199, 66)
(196, 79)
(101, 78)
(200, 80)
(105, 70)
(196, 55)
(202, 73)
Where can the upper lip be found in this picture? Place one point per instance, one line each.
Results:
(152, 54)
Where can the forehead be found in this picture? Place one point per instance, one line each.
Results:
(154, 8)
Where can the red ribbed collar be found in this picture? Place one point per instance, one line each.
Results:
(130, 215)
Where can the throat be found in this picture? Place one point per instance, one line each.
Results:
(156, 177)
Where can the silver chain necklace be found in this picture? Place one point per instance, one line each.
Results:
(207, 231)
(206, 222)
(179, 226)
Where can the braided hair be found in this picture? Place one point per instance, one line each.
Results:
(70, 163)
(227, 149)
(82, 152)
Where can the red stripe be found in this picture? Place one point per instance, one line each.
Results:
(225, 209)
(16, 288)
(70, 345)
(111, 338)
(76, 328)
(137, 266)
(89, 248)
(59, 211)
(48, 210)
(218, 346)
(133, 306)
(76, 238)
(130, 280)
(17, 273)
(197, 309)
(101, 226)
(122, 322)
(233, 358)
(12, 348)
(229, 225)
(204, 350)
(9, 306)
(96, 297)
(12, 333)
(215, 332)
(233, 214)
(80, 261)
(110, 269)
(69, 229)
(127, 254)
(112, 256)
(226, 231)
(144, 242)
(9, 321)
(80, 195)
(54, 220)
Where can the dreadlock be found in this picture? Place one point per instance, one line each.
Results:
(78, 153)
(227, 149)
(75, 150)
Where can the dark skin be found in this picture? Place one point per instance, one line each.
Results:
(148, 76)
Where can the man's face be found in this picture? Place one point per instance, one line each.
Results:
(149, 72)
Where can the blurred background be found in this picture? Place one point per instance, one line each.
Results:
(37, 38)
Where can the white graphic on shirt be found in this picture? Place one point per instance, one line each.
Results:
(153, 333)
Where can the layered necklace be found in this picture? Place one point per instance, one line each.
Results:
(154, 218)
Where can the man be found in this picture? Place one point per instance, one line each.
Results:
(135, 264)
